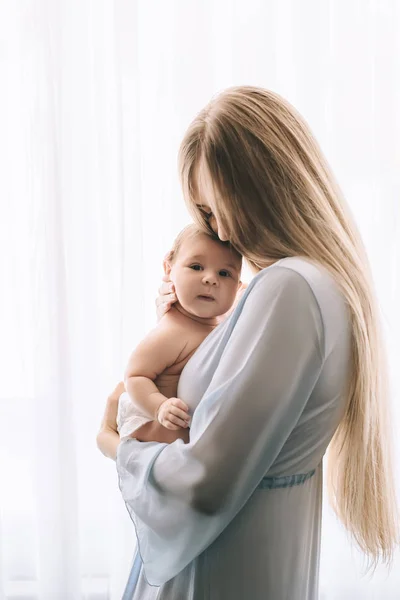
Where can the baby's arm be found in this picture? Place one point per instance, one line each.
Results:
(160, 349)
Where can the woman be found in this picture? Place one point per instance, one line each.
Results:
(299, 364)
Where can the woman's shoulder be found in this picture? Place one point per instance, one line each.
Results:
(298, 271)
(304, 279)
(321, 281)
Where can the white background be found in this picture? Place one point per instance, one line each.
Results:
(95, 97)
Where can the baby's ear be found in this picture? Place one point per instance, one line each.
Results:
(167, 263)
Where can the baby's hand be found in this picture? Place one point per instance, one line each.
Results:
(173, 414)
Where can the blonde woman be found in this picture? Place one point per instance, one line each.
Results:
(298, 366)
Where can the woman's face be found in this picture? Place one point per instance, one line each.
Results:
(209, 204)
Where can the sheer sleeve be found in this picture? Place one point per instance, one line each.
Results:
(181, 496)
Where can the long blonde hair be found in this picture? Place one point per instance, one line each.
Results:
(278, 198)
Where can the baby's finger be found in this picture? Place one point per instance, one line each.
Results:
(180, 404)
(176, 421)
(169, 425)
(181, 414)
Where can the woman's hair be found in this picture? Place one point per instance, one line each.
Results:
(191, 231)
(278, 198)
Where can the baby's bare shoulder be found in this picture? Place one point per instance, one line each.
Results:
(187, 333)
(171, 321)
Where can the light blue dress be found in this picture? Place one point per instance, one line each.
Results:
(236, 513)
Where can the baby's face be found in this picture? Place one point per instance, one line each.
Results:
(206, 276)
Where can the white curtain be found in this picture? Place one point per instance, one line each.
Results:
(95, 96)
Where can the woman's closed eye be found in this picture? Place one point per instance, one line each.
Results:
(206, 215)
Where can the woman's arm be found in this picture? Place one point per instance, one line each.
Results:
(108, 439)
(181, 497)
(153, 431)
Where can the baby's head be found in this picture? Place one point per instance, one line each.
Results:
(205, 272)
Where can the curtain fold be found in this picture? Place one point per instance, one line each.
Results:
(95, 98)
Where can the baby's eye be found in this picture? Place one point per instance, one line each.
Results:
(224, 273)
(196, 267)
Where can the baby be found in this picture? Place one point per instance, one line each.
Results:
(206, 276)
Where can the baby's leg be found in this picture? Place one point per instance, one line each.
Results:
(129, 417)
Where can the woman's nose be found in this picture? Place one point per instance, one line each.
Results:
(218, 229)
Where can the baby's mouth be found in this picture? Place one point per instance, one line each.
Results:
(206, 298)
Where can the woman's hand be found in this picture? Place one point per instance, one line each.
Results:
(166, 297)
(110, 414)
(108, 438)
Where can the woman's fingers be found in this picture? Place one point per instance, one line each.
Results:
(118, 390)
(166, 288)
(164, 303)
(169, 298)
(110, 414)
(163, 308)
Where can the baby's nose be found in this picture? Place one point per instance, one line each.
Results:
(210, 279)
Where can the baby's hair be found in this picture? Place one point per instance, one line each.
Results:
(190, 232)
